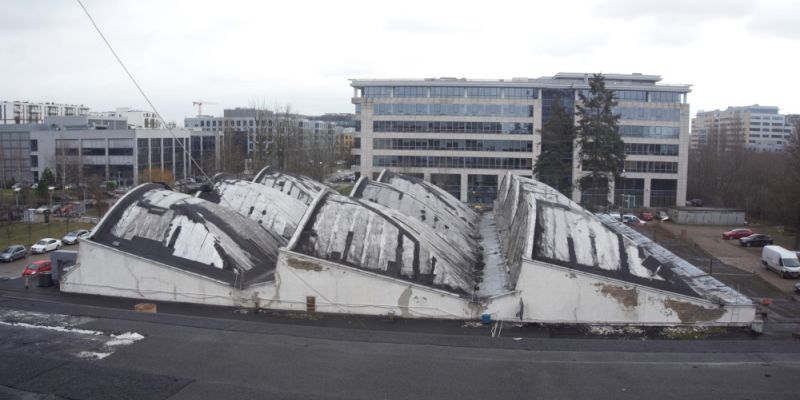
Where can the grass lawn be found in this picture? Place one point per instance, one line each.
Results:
(17, 232)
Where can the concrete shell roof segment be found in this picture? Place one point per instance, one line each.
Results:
(300, 187)
(275, 211)
(378, 239)
(190, 233)
(535, 221)
(435, 197)
(453, 229)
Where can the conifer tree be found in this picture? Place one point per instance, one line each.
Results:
(602, 152)
(554, 164)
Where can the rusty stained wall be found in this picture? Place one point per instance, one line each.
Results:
(556, 294)
(341, 289)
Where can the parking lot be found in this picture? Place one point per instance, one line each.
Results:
(746, 259)
(13, 270)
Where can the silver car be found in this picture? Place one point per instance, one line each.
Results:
(72, 237)
(13, 252)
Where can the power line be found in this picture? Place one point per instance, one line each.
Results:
(139, 88)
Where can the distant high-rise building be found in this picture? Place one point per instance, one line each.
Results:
(24, 112)
(757, 128)
(464, 135)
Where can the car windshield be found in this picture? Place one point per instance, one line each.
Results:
(42, 242)
(73, 233)
(7, 250)
(791, 262)
(33, 266)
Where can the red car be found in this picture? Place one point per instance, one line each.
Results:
(647, 216)
(36, 267)
(737, 233)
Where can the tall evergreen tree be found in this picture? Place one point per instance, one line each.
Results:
(554, 164)
(46, 180)
(602, 152)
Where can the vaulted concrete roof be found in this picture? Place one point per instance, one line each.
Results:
(435, 197)
(154, 222)
(439, 218)
(273, 209)
(537, 222)
(379, 239)
(297, 186)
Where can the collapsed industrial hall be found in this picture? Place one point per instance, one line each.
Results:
(396, 246)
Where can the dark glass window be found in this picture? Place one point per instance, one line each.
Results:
(447, 92)
(453, 127)
(631, 95)
(377, 91)
(665, 97)
(34, 145)
(521, 93)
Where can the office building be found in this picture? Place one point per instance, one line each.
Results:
(78, 147)
(756, 128)
(463, 135)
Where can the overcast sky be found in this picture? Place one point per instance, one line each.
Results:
(234, 53)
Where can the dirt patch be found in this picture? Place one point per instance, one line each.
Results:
(304, 265)
(626, 297)
(688, 312)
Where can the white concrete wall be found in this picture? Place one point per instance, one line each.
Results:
(346, 290)
(555, 294)
(109, 272)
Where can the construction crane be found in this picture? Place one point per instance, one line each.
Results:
(199, 104)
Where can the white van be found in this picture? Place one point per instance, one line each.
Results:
(782, 261)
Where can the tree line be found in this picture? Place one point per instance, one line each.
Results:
(724, 173)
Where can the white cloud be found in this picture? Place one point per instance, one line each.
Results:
(734, 52)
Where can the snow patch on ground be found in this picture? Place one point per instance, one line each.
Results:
(615, 330)
(64, 324)
(124, 339)
(92, 355)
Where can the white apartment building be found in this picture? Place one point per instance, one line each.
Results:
(757, 128)
(137, 119)
(24, 112)
(463, 135)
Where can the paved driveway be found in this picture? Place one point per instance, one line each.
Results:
(14, 269)
(748, 259)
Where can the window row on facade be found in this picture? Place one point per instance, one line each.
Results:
(482, 110)
(454, 145)
(453, 162)
(510, 128)
(651, 149)
(661, 167)
(643, 96)
(451, 91)
(649, 114)
(657, 132)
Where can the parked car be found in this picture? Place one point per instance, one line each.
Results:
(780, 260)
(45, 245)
(663, 216)
(37, 267)
(74, 236)
(737, 233)
(13, 252)
(42, 209)
(695, 203)
(632, 220)
(755, 240)
(647, 216)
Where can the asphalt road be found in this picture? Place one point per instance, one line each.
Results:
(188, 356)
(13, 270)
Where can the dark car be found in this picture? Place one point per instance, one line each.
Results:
(755, 240)
(695, 203)
(737, 233)
(37, 267)
(13, 252)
